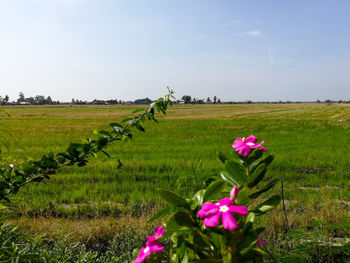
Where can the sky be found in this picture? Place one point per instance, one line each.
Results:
(236, 50)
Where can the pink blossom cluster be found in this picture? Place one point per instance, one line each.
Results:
(152, 245)
(244, 145)
(212, 212)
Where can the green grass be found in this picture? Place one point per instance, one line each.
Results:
(310, 142)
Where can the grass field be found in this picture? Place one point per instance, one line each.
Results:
(310, 142)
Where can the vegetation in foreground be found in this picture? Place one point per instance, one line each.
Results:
(295, 127)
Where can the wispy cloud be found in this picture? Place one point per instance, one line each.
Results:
(254, 33)
(242, 22)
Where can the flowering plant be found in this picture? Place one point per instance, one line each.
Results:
(152, 245)
(217, 223)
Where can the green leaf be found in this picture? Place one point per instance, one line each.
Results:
(19, 179)
(248, 242)
(228, 258)
(139, 127)
(236, 172)
(180, 221)
(138, 110)
(127, 119)
(223, 158)
(213, 190)
(120, 165)
(258, 175)
(198, 197)
(267, 205)
(151, 106)
(102, 132)
(37, 179)
(249, 222)
(105, 153)
(267, 160)
(172, 198)
(243, 196)
(255, 155)
(227, 178)
(4, 186)
(160, 214)
(264, 189)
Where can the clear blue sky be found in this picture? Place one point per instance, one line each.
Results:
(236, 50)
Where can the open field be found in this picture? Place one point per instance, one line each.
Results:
(310, 142)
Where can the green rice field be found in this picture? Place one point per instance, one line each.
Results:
(311, 144)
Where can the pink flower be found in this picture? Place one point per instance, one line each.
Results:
(234, 193)
(243, 145)
(212, 212)
(152, 245)
(261, 242)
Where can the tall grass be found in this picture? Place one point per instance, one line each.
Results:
(311, 144)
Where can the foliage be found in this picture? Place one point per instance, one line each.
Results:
(291, 161)
(16, 246)
(15, 177)
(193, 241)
(319, 242)
(182, 144)
(187, 99)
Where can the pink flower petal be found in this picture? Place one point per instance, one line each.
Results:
(234, 193)
(207, 208)
(261, 242)
(151, 239)
(238, 141)
(245, 150)
(225, 201)
(144, 253)
(212, 220)
(251, 138)
(228, 221)
(242, 210)
(156, 247)
(213, 211)
(159, 231)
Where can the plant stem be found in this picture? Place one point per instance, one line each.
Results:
(284, 209)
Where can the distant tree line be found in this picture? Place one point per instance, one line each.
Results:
(185, 99)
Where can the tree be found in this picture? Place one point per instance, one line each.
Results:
(143, 101)
(219, 101)
(21, 97)
(187, 99)
(30, 100)
(6, 99)
(214, 99)
(208, 100)
(48, 100)
(39, 99)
